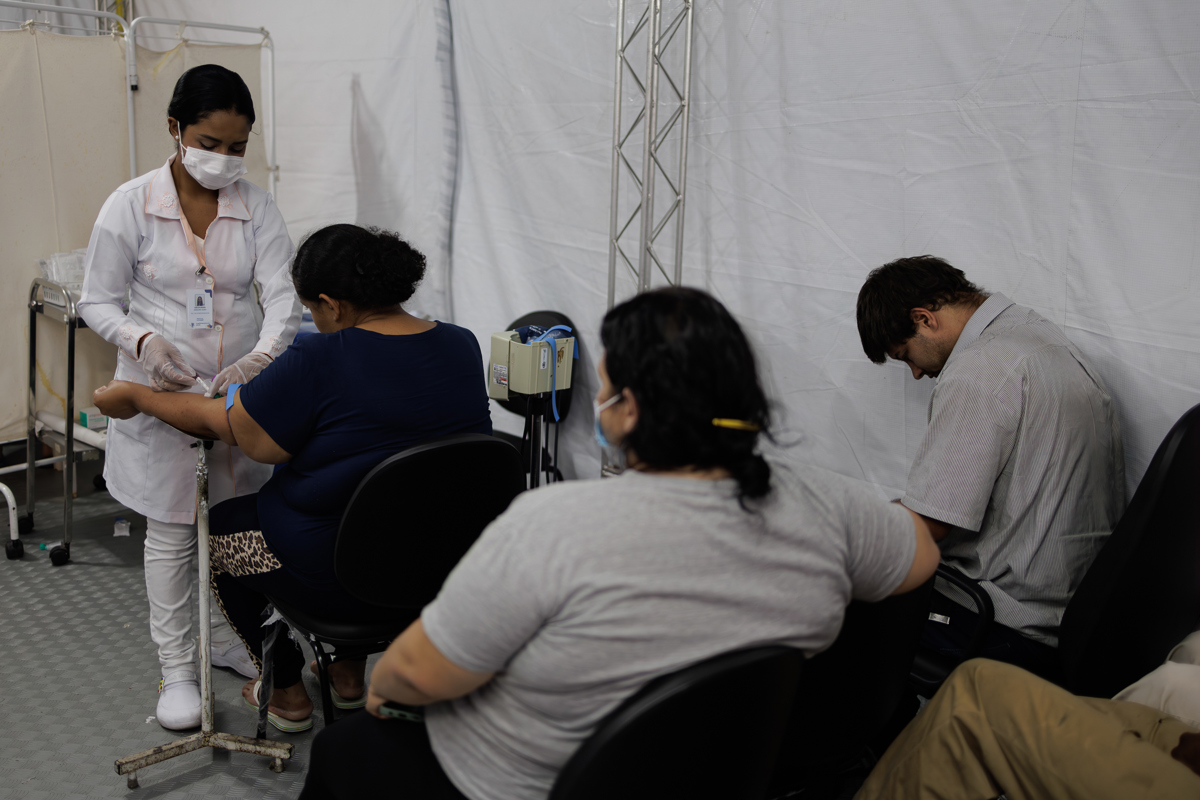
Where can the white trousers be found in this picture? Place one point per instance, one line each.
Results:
(170, 559)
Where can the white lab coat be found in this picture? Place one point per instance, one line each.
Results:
(142, 239)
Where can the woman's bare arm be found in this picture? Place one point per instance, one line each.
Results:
(254, 441)
(194, 414)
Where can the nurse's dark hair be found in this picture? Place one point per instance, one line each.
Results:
(208, 88)
(369, 267)
(688, 362)
(891, 292)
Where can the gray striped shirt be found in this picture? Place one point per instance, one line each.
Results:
(1023, 457)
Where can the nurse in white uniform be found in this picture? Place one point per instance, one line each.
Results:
(190, 239)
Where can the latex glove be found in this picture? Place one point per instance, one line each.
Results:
(164, 365)
(240, 371)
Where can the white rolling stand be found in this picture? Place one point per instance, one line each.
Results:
(207, 737)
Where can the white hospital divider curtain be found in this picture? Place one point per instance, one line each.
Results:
(1046, 148)
(64, 148)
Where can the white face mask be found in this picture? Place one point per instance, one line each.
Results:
(212, 170)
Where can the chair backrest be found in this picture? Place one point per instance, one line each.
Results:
(1141, 595)
(709, 730)
(849, 692)
(414, 516)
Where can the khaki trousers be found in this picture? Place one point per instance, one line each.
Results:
(996, 729)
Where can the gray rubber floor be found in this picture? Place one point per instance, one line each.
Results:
(79, 674)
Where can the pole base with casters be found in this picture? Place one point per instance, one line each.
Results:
(13, 548)
(60, 554)
(207, 737)
(276, 751)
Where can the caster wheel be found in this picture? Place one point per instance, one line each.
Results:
(99, 483)
(14, 549)
(60, 555)
(25, 524)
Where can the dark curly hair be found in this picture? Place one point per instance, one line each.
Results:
(202, 90)
(369, 267)
(891, 292)
(687, 361)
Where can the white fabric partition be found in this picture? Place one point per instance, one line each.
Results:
(63, 149)
(1047, 148)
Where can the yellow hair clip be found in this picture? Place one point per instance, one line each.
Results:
(735, 424)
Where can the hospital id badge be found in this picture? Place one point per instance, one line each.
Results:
(200, 308)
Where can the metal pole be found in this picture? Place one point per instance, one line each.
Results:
(69, 426)
(207, 737)
(206, 697)
(47, 8)
(683, 142)
(31, 406)
(273, 163)
(131, 85)
(645, 265)
(614, 216)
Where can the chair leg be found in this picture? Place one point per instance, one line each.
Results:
(323, 661)
(268, 671)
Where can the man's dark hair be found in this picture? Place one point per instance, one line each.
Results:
(886, 300)
(687, 361)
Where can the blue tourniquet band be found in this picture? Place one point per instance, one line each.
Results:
(229, 393)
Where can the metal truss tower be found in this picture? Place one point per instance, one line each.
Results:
(650, 133)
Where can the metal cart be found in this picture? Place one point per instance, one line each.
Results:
(53, 301)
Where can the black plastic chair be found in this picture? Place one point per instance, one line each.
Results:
(709, 730)
(849, 692)
(930, 669)
(1141, 595)
(409, 522)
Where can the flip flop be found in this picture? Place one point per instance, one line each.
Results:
(338, 700)
(283, 724)
(346, 705)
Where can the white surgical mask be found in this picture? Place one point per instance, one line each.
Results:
(212, 170)
(597, 407)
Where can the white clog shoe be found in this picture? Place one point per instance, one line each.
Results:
(179, 701)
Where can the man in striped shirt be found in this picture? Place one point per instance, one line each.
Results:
(1020, 474)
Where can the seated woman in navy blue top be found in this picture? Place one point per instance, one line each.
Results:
(331, 407)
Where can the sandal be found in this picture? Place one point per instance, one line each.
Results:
(338, 700)
(282, 723)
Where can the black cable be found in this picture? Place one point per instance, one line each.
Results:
(557, 471)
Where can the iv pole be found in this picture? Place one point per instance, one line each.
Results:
(208, 737)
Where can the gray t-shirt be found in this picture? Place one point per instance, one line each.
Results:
(584, 591)
(1023, 456)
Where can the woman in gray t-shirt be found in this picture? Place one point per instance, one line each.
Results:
(584, 591)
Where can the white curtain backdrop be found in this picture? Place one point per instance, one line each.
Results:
(1047, 148)
(62, 151)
